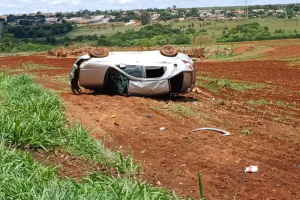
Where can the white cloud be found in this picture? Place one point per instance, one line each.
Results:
(57, 2)
(76, 2)
(126, 1)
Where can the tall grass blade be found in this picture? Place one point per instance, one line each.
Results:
(200, 186)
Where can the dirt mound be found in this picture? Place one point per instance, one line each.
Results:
(244, 48)
(74, 50)
(194, 52)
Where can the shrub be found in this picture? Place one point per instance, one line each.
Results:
(251, 32)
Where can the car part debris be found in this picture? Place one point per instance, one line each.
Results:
(214, 129)
(162, 128)
(251, 169)
(149, 116)
(140, 73)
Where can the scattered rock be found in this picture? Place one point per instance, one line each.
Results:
(158, 183)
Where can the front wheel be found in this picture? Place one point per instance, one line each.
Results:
(169, 50)
(99, 52)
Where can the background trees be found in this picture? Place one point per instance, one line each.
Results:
(145, 18)
(42, 31)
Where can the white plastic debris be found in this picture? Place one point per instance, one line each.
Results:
(251, 169)
(162, 128)
(225, 133)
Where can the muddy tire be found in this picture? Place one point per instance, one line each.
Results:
(99, 52)
(169, 50)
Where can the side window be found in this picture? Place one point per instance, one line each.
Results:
(154, 71)
(134, 70)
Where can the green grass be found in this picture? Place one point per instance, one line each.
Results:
(216, 84)
(215, 28)
(61, 79)
(183, 109)
(159, 109)
(31, 118)
(294, 62)
(31, 65)
(23, 178)
(261, 102)
(245, 130)
(254, 54)
(279, 103)
(85, 30)
(278, 119)
(175, 109)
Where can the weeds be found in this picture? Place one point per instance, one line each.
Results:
(177, 108)
(261, 102)
(222, 103)
(31, 65)
(278, 120)
(78, 142)
(183, 109)
(61, 79)
(294, 62)
(214, 84)
(200, 186)
(245, 130)
(31, 117)
(23, 178)
(159, 109)
(279, 103)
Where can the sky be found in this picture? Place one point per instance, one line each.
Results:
(33, 6)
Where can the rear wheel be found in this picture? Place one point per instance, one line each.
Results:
(169, 50)
(99, 52)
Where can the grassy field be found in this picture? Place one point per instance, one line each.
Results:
(32, 119)
(215, 29)
(97, 29)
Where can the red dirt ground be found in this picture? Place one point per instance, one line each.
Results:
(243, 48)
(69, 165)
(173, 156)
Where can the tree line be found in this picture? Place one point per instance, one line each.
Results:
(151, 35)
(38, 31)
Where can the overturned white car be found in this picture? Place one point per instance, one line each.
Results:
(143, 73)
